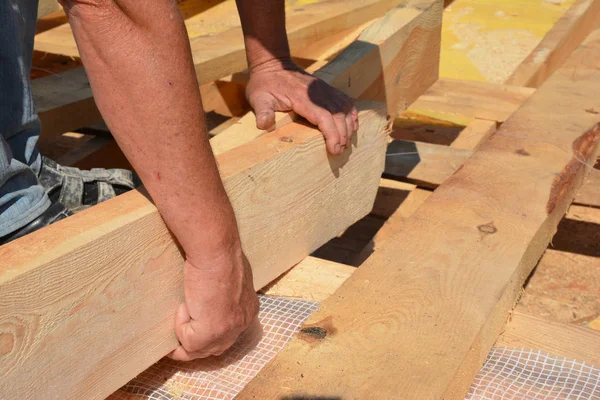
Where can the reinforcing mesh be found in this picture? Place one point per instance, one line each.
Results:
(508, 374)
(225, 376)
(517, 374)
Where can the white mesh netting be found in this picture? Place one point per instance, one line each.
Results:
(517, 374)
(225, 376)
(508, 374)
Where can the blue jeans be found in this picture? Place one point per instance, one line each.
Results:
(22, 198)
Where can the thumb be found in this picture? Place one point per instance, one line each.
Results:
(264, 109)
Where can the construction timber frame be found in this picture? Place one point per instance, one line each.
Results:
(436, 284)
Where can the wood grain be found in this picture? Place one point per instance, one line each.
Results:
(312, 279)
(484, 100)
(556, 46)
(393, 61)
(89, 302)
(564, 340)
(423, 163)
(418, 319)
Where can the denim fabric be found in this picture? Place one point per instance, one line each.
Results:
(22, 198)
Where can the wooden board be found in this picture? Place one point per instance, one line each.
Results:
(484, 100)
(589, 194)
(564, 37)
(571, 341)
(46, 7)
(419, 318)
(394, 61)
(312, 279)
(221, 53)
(64, 103)
(423, 163)
(89, 302)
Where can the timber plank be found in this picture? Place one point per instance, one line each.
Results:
(423, 163)
(556, 46)
(65, 101)
(393, 61)
(483, 100)
(96, 293)
(563, 340)
(418, 319)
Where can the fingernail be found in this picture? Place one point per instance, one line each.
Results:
(337, 148)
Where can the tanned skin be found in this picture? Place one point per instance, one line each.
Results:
(138, 60)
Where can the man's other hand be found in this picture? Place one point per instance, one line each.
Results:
(279, 85)
(221, 303)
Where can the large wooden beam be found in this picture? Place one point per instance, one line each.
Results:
(418, 319)
(88, 303)
(394, 61)
(483, 100)
(556, 46)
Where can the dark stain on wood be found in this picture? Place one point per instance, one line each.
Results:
(592, 111)
(583, 149)
(488, 229)
(315, 333)
(522, 152)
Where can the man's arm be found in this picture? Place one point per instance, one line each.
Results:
(277, 84)
(139, 64)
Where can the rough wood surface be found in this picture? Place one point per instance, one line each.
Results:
(589, 194)
(393, 61)
(563, 340)
(568, 32)
(312, 279)
(419, 318)
(423, 163)
(474, 134)
(46, 7)
(472, 99)
(64, 103)
(88, 303)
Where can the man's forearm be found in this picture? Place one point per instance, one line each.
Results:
(138, 61)
(263, 23)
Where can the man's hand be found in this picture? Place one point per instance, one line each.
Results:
(221, 303)
(279, 85)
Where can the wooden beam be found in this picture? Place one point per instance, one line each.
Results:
(419, 318)
(316, 279)
(590, 191)
(474, 134)
(563, 340)
(96, 293)
(46, 7)
(394, 61)
(312, 279)
(423, 163)
(64, 103)
(483, 100)
(556, 46)
(217, 55)
(430, 165)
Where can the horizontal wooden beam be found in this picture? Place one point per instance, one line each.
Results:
(556, 46)
(97, 292)
(419, 318)
(471, 99)
(393, 61)
(430, 165)
(65, 102)
(564, 340)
